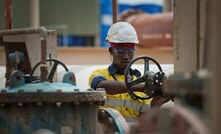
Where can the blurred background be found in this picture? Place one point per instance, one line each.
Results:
(188, 39)
(82, 25)
(79, 22)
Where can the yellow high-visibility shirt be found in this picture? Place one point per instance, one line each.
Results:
(124, 103)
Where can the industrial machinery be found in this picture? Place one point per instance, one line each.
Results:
(187, 88)
(33, 101)
(153, 30)
(30, 102)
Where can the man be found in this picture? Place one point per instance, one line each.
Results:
(123, 39)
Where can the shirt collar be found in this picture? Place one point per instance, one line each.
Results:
(112, 69)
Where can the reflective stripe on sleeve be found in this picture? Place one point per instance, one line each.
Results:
(129, 119)
(145, 108)
(127, 103)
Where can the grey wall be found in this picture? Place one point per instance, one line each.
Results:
(77, 17)
(21, 14)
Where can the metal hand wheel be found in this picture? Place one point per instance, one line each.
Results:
(152, 81)
(51, 72)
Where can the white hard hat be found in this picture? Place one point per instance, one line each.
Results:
(122, 32)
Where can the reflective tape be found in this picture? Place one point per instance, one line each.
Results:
(127, 103)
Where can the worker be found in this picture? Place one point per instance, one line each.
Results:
(122, 38)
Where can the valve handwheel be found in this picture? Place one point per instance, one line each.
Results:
(52, 71)
(152, 81)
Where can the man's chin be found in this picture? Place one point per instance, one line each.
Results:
(125, 64)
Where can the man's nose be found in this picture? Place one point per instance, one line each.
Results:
(126, 54)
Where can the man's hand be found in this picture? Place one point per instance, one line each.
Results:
(158, 101)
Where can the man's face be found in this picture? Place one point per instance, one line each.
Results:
(122, 56)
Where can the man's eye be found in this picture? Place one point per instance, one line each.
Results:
(130, 52)
(121, 52)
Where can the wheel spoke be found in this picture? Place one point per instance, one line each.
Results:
(52, 72)
(149, 85)
(137, 81)
(146, 66)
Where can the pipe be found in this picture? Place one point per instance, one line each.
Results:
(153, 30)
(40, 30)
(8, 14)
(43, 35)
(114, 11)
(213, 42)
(34, 13)
(8, 25)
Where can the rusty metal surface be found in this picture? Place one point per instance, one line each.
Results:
(43, 68)
(176, 120)
(42, 32)
(112, 122)
(188, 82)
(25, 31)
(189, 87)
(44, 72)
(64, 119)
(154, 30)
(8, 14)
(74, 96)
(19, 91)
(18, 31)
(69, 77)
(78, 97)
(114, 11)
(43, 50)
(58, 107)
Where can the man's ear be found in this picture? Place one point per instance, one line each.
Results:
(111, 50)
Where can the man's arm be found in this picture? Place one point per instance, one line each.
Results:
(158, 101)
(117, 87)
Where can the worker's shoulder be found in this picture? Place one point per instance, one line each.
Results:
(104, 70)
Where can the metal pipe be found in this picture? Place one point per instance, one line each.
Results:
(8, 14)
(213, 40)
(198, 34)
(153, 30)
(34, 13)
(114, 11)
(43, 67)
(40, 30)
(43, 35)
(8, 25)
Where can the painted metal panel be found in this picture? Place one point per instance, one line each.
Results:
(185, 35)
(67, 119)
